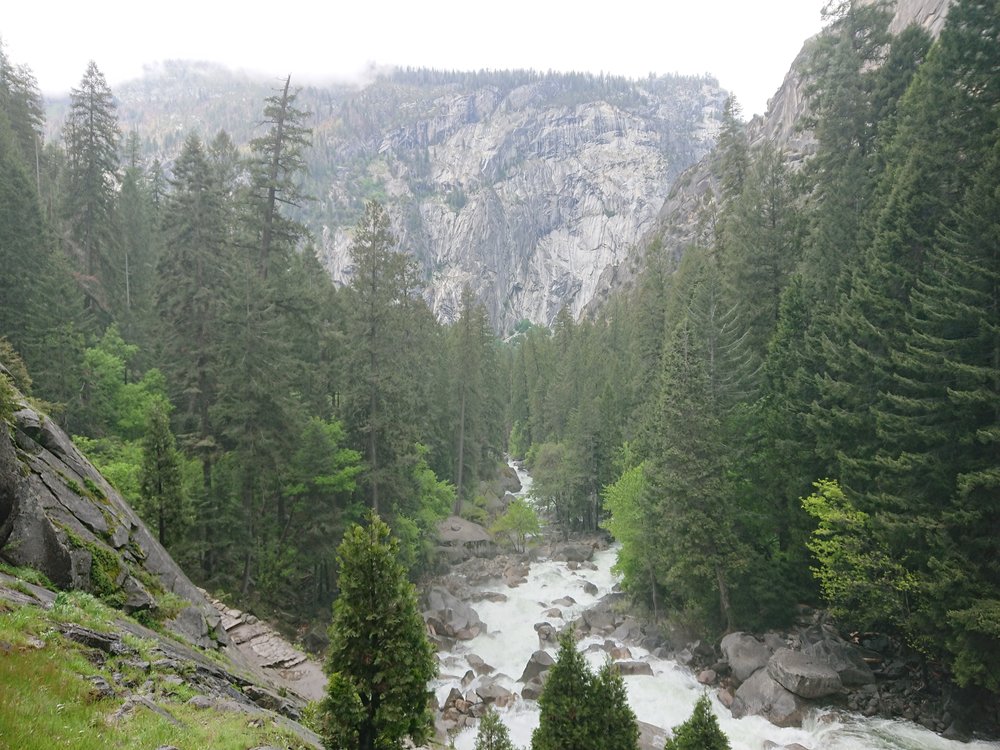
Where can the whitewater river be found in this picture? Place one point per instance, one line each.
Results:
(665, 699)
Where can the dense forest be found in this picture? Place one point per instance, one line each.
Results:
(805, 409)
(808, 407)
(179, 325)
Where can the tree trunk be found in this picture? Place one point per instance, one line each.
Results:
(724, 605)
(461, 454)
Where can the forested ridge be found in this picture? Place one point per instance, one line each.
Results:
(178, 324)
(806, 409)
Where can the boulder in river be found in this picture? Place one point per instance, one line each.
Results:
(761, 695)
(803, 675)
(539, 662)
(745, 654)
(477, 663)
(843, 657)
(450, 616)
(632, 668)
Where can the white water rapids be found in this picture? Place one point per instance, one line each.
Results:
(664, 699)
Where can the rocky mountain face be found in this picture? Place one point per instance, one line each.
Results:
(529, 188)
(681, 223)
(59, 516)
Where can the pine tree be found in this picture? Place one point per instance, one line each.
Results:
(379, 659)
(705, 377)
(91, 135)
(612, 712)
(565, 702)
(381, 392)
(160, 477)
(277, 166)
(700, 732)
(492, 734)
(583, 711)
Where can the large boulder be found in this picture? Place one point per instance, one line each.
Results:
(844, 658)
(745, 654)
(803, 675)
(539, 662)
(761, 695)
(450, 616)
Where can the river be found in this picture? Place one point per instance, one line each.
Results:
(664, 699)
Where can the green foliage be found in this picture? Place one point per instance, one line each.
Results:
(517, 524)
(582, 710)
(492, 733)
(862, 582)
(379, 658)
(700, 732)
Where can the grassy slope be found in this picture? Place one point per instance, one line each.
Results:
(48, 699)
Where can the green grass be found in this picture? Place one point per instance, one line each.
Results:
(28, 575)
(47, 702)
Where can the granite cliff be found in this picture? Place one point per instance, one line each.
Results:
(679, 223)
(531, 188)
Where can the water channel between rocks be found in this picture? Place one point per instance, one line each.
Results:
(664, 699)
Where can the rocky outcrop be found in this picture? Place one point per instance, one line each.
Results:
(223, 683)
(59, 516)
(684, 218)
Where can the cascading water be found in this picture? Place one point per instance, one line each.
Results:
(664, 699)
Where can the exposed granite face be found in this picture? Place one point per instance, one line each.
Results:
(531, 196)
(59, 515)
(682, 219)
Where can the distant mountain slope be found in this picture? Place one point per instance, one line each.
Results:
(531, 188)
(678, 223)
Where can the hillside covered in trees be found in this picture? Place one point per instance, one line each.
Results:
(804, 409)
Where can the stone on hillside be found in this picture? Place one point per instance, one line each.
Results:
(573, 552)
(137, 598)
(761, 695)
(707, 676)
(803, 675)
(491, 692)
(599, 621)
(539, 662)
(745, 654)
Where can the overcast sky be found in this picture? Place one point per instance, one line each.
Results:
(748, 46)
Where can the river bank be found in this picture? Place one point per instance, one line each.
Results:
(519, 604)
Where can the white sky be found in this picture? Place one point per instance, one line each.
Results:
(747, 45)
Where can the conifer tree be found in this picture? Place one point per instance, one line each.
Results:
(160, 477)
(379, 659)
(700, 732)
(91, 135)
(583, 711)
(492, 733)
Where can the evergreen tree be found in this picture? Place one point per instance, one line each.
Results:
(381, 390)
(160, 478)
(612, 714)
(379, 659)
(91, 135)
(705, 375)
(700, 732)
(580, 710)
(276, 168)
(492, 734)
(565, 703)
